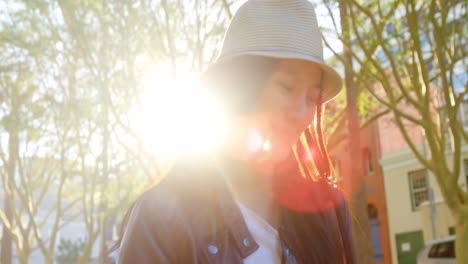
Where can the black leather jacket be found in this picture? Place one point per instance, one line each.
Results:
(191, 217)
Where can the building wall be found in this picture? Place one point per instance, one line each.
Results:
(401, 217)
(388, 187)
(443, 221)
(391, 139)
(374, 181)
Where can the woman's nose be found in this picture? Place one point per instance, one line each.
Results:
(299, 110)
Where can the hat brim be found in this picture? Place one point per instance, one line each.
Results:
(332, 81)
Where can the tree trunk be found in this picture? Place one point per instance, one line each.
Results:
(23, 258)
(355, 185)
(105, 177)
(86, 255)
(24, 254)
(49, 258)
(7, 235)
(13, 146)
(461, 242)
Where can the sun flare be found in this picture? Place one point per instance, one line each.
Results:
(177, 117)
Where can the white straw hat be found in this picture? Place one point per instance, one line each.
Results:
(283, 29)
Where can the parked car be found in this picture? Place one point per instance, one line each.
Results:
(439, 251)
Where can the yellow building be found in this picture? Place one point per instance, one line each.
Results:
(413, 220)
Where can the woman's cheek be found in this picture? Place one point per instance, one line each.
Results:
(279, 149)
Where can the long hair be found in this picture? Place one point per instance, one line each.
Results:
(311, 153)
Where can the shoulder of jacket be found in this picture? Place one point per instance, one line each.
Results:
(185, 184)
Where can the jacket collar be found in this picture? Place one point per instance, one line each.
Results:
(217, 201)
(235, 223)
(233, 218)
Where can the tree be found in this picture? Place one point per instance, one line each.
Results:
(30, 167)
(143, 33)
(346, 116)
(69, 251)
(355, 184)
(44, 115)
(82, 62)
(86, 60)
(412, 55)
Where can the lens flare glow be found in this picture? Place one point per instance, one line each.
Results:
(266, 145)
(177, 117)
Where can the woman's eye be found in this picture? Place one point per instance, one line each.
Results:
(285, 87)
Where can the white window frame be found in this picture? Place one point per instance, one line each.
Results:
(413, 191)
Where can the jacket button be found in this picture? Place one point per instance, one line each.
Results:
(213, 249)
(246, 242)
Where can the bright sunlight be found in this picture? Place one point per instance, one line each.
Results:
(177, 117)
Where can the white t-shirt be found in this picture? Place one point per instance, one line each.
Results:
(266, 236)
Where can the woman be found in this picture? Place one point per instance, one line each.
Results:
(266, 198)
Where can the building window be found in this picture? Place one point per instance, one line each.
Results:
(451, 231)
(368, 162)
(376, 237)
(418, 187)
(463, 114)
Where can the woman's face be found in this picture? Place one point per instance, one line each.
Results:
(286, 106)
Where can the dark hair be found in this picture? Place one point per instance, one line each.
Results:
(236, 83)
(240, 98)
